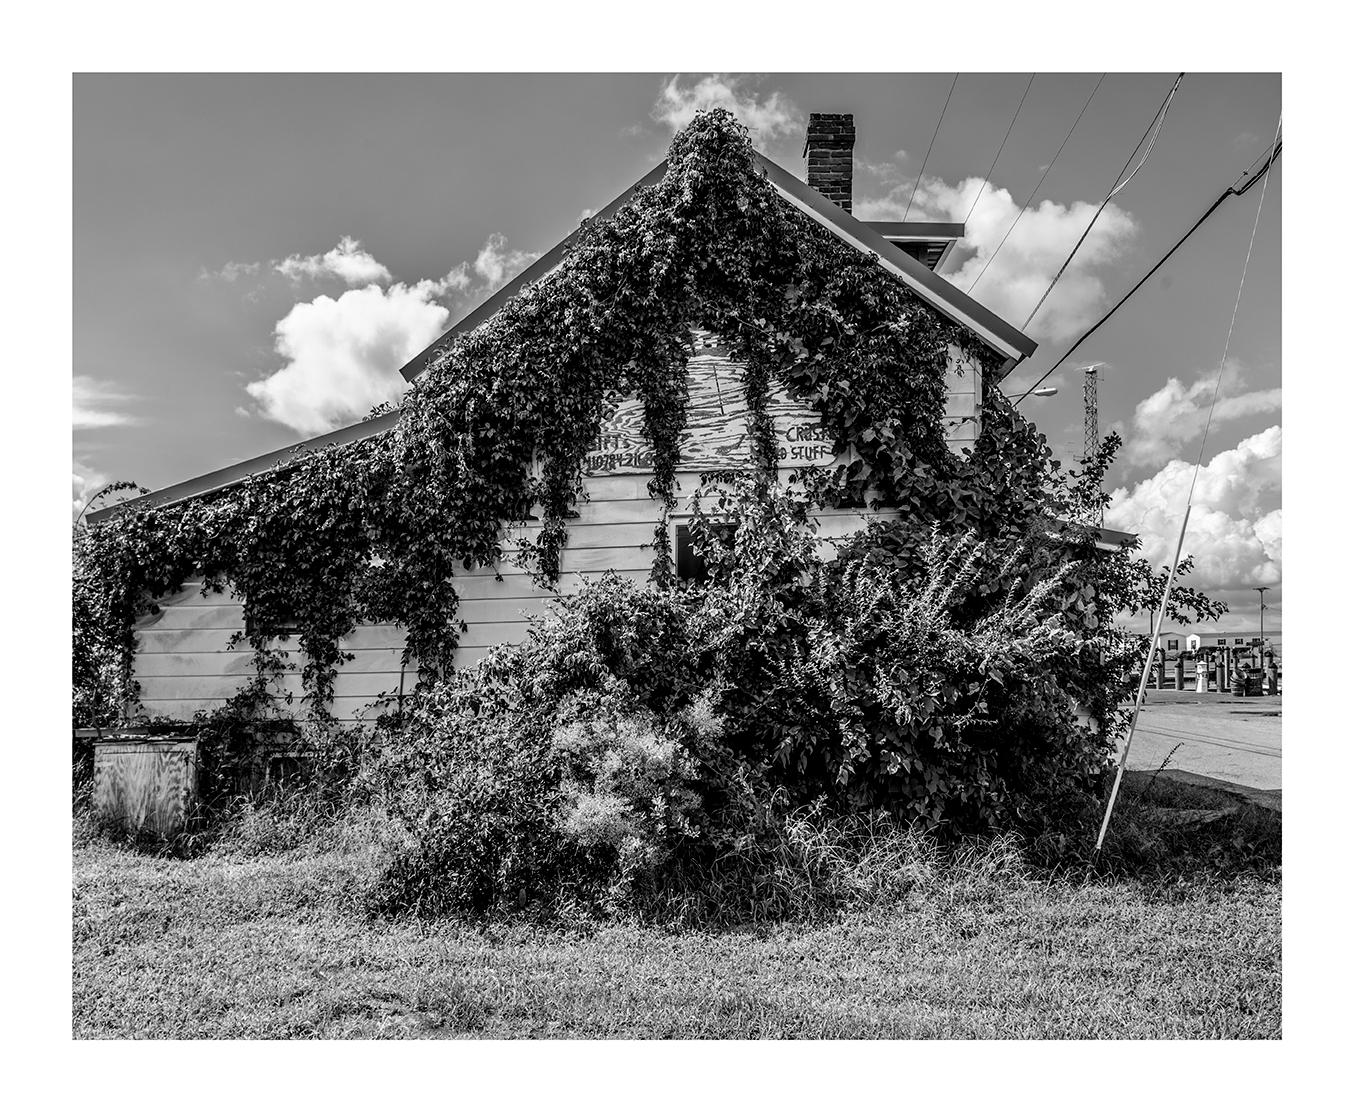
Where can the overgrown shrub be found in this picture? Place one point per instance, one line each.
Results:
(642, 733)
(944, 689)
(563, 770)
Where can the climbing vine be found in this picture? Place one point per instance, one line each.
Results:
(498, 428)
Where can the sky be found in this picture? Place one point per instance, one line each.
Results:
(256, 256)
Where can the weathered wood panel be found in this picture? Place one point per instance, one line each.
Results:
(145, 784)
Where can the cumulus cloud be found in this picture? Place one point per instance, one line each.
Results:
(343, 355)
(1016, 278)
(348, 261)
(767, 117)
(1235, 530)
(96, 404)
(1175, 415)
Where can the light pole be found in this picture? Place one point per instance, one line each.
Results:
(1263, 608)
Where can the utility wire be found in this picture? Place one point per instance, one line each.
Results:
(1025, 208)
(1189, 504)
(1157, 120)
(1236, 189)
(933, 143)
(988, 177)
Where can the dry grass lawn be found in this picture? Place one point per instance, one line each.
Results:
(274, 947)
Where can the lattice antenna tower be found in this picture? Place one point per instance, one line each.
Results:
(1091, 422)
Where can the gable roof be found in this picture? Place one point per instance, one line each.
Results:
(930, 287)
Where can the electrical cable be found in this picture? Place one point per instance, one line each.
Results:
(1025, 208)
(1237, 189)
(1157, 120)
(987, 178)
(933, 143)
(1189, 504)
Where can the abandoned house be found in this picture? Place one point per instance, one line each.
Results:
(185, 660)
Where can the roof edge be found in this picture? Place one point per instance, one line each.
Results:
(236, 472)
(940, 294)
(915, 229)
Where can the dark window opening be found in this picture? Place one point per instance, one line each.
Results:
(691, 566)
(1172, 644)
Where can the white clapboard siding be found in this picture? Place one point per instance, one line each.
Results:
(184, 662)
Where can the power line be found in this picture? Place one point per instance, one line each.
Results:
(1025, 207)
(1237, 189)
(933, 143)
(1158, 120)
(1184, 521)
(988, 176)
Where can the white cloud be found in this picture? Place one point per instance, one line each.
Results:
(1235, 530)
(348, 261)
(96, 404)
(85, 482)
(343, 355)
(767, 117)
(1175, 415)
(231, 272)
(496, 263)
(1025, 264)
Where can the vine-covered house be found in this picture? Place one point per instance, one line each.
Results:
(720, 315)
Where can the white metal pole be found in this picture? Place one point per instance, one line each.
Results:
(1148, 661)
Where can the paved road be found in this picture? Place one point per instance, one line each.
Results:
(1220, 736)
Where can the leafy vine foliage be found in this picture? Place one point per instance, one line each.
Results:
(501, 423)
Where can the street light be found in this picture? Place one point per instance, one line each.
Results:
(1042, 392)
(1263, 608)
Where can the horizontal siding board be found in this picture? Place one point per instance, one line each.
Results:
(348, 710)
(516, 586)
(365, 685)
(242, 663)
(960, 405)
(221, 615)
(160, 640)
(595, 535)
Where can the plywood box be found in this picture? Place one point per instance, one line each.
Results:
(144, 783)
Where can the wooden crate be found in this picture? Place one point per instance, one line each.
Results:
(145, 783)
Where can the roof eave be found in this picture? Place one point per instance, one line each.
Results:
(237, 472)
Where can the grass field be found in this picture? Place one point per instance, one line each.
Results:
(273, 946)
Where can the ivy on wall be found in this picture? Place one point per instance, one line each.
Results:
(498, 428)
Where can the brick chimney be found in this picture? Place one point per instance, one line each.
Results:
(827, 146)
